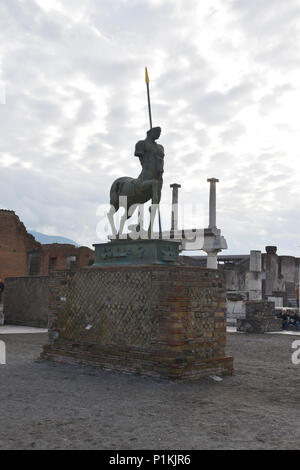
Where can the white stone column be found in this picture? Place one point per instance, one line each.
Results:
(255, 261)
(271, 269)
(212, 203)
(212, 259)
(174, 216)
(254, 276)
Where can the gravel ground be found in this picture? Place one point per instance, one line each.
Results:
(53, 406)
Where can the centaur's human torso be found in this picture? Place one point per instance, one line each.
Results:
(140, 190)
(151, 156)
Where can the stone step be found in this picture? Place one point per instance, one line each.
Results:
(291, 301)
(236, 315)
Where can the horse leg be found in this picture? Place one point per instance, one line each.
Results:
(153, 208)
(122, 223)
(110, 216)
(127, 215)
(159, 186)
(140, 225)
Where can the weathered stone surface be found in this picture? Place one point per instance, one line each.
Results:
(271, 250)
(22, 255)
(164, 321)
(15, 244)
(212, 203)
(1, 315)
(255, 261)
(26, 301)
(260, 318)
(271, 271)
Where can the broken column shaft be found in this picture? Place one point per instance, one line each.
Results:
(212, 203)
(174, 217)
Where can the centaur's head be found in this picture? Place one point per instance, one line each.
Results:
(154, 133)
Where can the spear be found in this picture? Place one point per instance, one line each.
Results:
(150, 117)
(148, 93)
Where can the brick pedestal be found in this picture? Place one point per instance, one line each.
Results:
(162, 321)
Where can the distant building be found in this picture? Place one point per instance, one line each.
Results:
(64, 256)
(255, 277)
(22, 255)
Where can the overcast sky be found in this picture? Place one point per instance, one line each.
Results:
(225, 88)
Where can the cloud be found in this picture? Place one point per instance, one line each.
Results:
(224, 88)
(232, 132)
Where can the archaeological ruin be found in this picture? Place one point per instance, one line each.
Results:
(22, 255)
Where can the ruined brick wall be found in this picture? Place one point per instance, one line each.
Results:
(15, 243)
(158, 320)
(60, 252)
(56, 251)
(86, 256)
(26, 301)
(260, 318)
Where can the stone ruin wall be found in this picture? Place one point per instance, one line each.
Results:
(261, 277)
(15, 243)
(26, 301)
(21, 255)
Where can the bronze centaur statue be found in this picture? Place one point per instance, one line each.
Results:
(139, 190)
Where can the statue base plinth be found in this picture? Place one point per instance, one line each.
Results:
(136, 252)
(159, 321)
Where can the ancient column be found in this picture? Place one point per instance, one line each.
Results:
(212, 259)
(174, 217)
(271, 269)
(212, 253)
(212, 203)
(254, 276)
(255, 261)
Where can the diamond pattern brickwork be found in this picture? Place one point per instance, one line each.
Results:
(161, 321)
(108, 308)
(199, 320)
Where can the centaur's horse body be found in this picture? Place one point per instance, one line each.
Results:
(147, 186)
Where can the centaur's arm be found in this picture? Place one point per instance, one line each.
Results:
(140, 150)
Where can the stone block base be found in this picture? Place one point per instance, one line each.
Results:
(260, 318)
(159, 364)
(160, 321)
